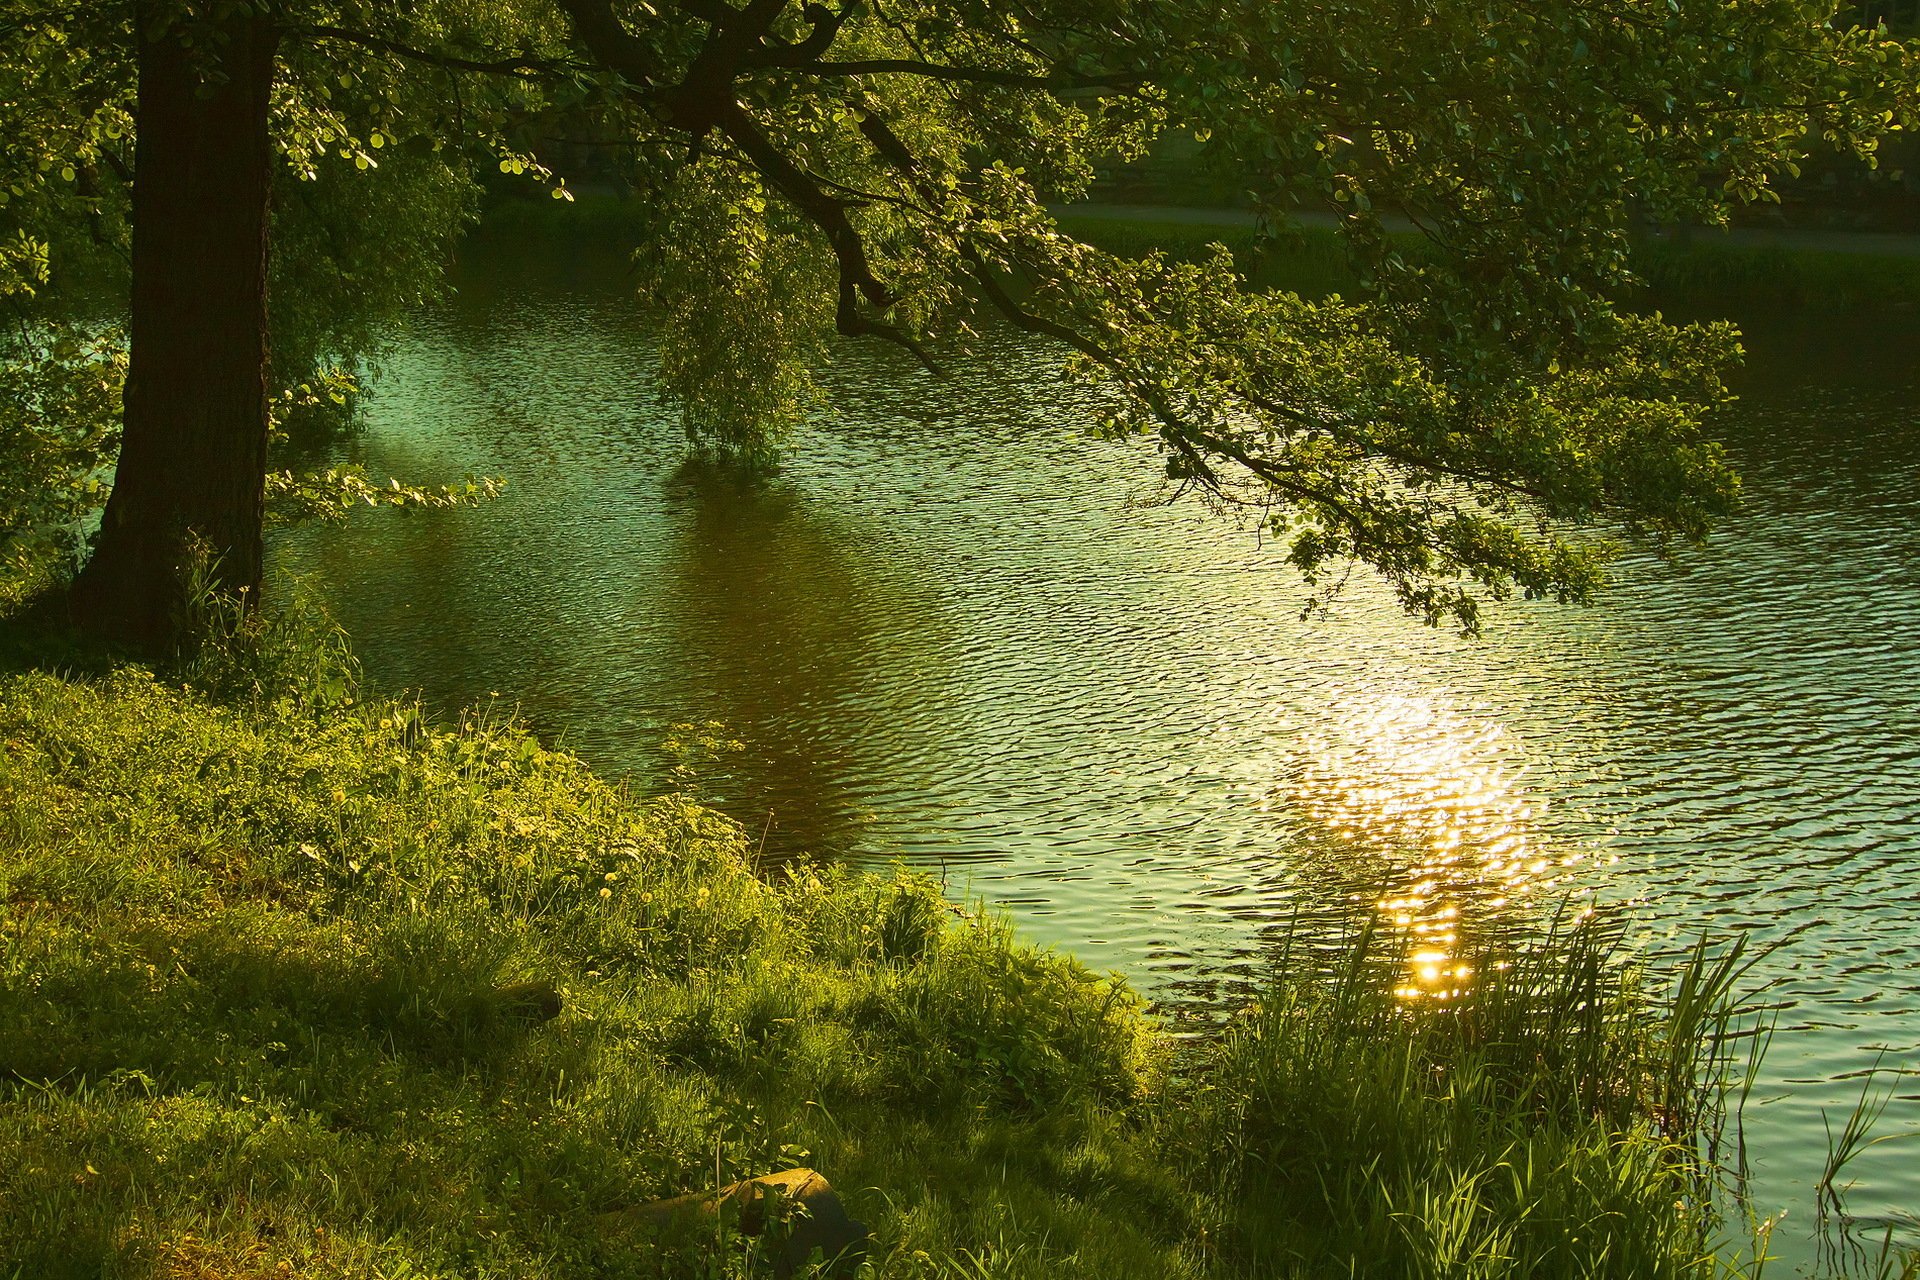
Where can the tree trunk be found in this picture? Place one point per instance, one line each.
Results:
(194, 451)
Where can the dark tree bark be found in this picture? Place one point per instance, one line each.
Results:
(193, 457)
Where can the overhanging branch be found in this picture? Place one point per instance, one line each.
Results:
(1056, 82)
(520, 65)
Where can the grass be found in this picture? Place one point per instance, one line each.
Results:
(1757, 276)
(1543, 1128)
(264, 950)
(1314, 263)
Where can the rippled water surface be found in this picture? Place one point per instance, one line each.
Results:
(955, 630)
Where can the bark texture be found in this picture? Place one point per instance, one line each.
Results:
(193, 457)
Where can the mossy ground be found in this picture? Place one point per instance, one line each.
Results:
(254, 931)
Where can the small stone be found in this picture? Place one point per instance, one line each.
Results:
(798, 1200)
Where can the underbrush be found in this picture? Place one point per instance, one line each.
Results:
(293, 983)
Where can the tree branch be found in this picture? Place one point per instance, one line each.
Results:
(608, 41)
(523, 66)
(826, 25)
(857, 280)
(1055, 82)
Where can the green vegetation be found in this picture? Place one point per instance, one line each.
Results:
(1473, 424)
(1744, 276)
(263, 949)
(266, 948)
(1316, 262)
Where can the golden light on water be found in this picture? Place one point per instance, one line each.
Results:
(1431, 797)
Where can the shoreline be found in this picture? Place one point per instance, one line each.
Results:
(259, 937)
(1876, 244)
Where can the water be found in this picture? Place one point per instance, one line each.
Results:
(957, 632)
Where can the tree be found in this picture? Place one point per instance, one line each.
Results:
(347, 257)
(193, 451)
(879, 171)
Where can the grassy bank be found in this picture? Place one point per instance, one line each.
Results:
(293, 983)
(1314, 262)
(1734, 277)
(1746, 277)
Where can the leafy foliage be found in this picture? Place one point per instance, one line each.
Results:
(722, 253)
(332, 493)
(59, 423)
(1477, 420)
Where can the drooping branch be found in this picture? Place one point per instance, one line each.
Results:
(703, 101)
(1173, 428)
(828, 213)
(1177, 431)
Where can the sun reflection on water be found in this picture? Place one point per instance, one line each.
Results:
(1430, 801)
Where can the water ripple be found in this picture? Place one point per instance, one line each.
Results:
(957, 631)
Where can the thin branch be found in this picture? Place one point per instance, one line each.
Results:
(858, 196)
(523, 66)
(1054, 82)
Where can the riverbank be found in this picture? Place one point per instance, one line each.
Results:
(292, 982)
(1742, 270)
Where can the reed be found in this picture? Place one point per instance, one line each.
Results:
(1556, 1119)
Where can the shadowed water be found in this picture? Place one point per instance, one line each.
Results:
(957, 631)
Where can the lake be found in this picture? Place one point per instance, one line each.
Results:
(955, 631)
